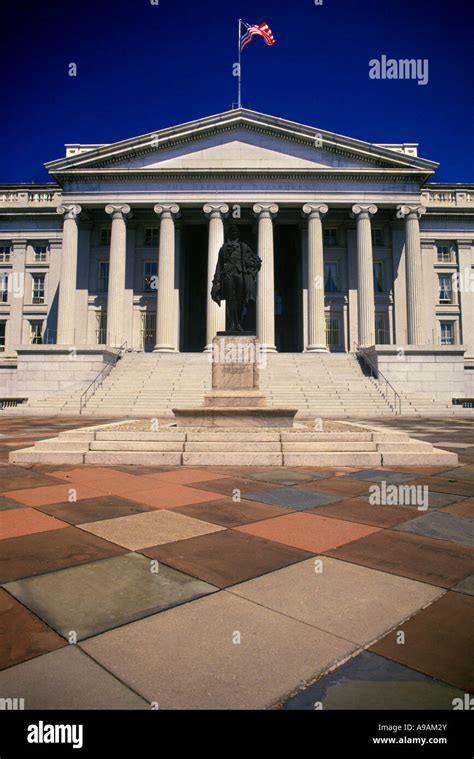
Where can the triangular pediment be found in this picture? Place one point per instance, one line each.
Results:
(238, 141)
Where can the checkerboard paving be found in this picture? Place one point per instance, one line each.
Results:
(126, 585)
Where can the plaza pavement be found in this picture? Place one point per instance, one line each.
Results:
(156, 587)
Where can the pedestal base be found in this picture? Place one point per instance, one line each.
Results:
(234, 417)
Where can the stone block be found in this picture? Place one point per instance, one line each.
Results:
(33, 456)
(136, 445)
(316, 437)
(232, 459)
(140, 458)
(413, 446)
(228, 417)
(231, 447)
(310, 447)
(357, 458)
(395, 437)
(55, 444)
(262, 437)
(436, 457)
(143, 436)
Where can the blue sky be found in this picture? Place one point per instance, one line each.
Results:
(141, 67)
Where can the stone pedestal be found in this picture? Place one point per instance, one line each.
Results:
(235, 378)
(235, 399)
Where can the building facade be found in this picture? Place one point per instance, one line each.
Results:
(359, 245)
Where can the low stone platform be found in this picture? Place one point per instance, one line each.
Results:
(109, 446)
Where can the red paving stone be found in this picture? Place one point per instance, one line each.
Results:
(25, 522)
(308, 531)
(186, 476)
(169, 496)
(23, 635)
(53, 494)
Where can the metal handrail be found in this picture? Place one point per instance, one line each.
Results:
(90, 391)
(375, 372)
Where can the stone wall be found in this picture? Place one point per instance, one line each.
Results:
(7, 379)
(46, 370)
(432, 370)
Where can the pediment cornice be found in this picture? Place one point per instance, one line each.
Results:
(105, 157)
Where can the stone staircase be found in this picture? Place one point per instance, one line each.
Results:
(330, 385)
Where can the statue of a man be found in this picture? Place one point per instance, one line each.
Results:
(235, 278)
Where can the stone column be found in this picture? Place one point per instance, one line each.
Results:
(67, 285)
(414, 274)
(266, 277)
(365, 274)
(16, 296)
(316, 317)
(166, 314)
(115, 295)
(215, 320)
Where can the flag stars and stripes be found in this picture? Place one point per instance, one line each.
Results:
(260, 30)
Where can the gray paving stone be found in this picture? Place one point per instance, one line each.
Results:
(371, 682)
(443, 526)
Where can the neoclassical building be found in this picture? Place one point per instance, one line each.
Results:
(359, 246)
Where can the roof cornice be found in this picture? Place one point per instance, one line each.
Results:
(106, 155)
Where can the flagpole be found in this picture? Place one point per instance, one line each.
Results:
(239, 98)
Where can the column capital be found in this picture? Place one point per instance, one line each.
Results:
(410, 212)
(118, 210)
(364, 211)
(71, 211)
(166, 210)
(265, 210)
(216, 210)
(315, 210)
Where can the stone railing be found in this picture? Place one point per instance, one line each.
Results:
(27, 197)
(449, 198)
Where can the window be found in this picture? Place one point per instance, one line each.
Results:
(377, 236)
(149, 276)
(36, 332)
(5, 251)
(447, 333)
(333, 330)
(151, 236)
(101, 329)
(445, 288)
(104, 236)
(331, 277)
(3, 288)
(446, 253)
(37, 289)
(103, 276)
(379, 277)
(382, 335)
(41, 253)
(3, 326)
(330, 235)
(148, 330)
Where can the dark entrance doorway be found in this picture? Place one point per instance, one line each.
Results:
(288, 289)
(193, 288)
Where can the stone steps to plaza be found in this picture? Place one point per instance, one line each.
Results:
(317, 384)
(111, 446)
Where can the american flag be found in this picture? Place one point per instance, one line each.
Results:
(262, 30)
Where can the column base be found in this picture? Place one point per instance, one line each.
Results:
(316, 349)
(165, 349)
(267, 349)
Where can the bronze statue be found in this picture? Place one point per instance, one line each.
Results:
(235, 278)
